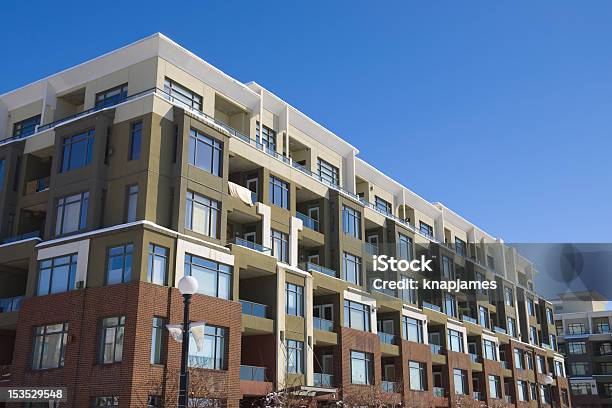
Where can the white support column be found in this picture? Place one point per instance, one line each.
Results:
(295, 225)
(49, 104)
(266, 224)
(309, 330)
(281, 333)
(348, 173)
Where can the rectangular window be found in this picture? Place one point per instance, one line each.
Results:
(71, 214)
(412, 329)
(530, 307)
(540, 363)
(455, 341)
(352, 268)
(511, 326)
(295, 357)
(508, 296)
(579, 369)
(533, 335)
(213, 355)
(26, 127)
(545, 394)
(580, 388)
(102, 402)
(135, 140)
(522, 390)
(157, 337)
(328, 173)
(362, 368)
(351, 222)
(185, 96)
(111, 340)
(418, 378)
(280, 246)
(450, 307)
(490, 350)
(494, 387)
(111, 96)
(356, 315)
(404, 247)
(460, 380)
(265, 137)
(483, 317)
(158, 265)
(294, 299)
(214, 278)
(203, 215)
(279, 193)
(560, 372)
(549, 316)
(205, 152)
(131, 203)
(382, 205)
(448, 270)
(529, 359)
(518, 359)
(460, 247)
(426, 229)
(576, 328)
(56, 275)
(533, 396)
(408, 294)
(77, 150)
(119, 264)
(49, 346)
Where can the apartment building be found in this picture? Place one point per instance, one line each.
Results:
(583, 323)
(123, 174)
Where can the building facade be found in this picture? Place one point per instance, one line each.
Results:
(125, 173)
(583, 329)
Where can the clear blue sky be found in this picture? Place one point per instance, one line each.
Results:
(500, 110)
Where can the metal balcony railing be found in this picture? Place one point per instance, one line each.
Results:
(323, 380)
(309, 266)
(252, 245)
(308, 222)
(11, 304)
(254, 309)
(323, 324)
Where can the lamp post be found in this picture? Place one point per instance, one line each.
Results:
(188, 285)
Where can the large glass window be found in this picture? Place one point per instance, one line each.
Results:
(511, 326)
(448, 270)
(460, 246)
(295, 299)
(71, 215)
(404, 247)
(214, 278)
(131, 203)
(483, 317)
(279, 192)
(351, 222)
(202, 215)
(494, 387)
(576, 328)
(362, 368)
(158, 265)
(450, 308)
(26, 127)
(295, 357)
(418, 376)
(412, 329)
(57, 275)
(119, 264)
(328, 173)
(533, 335)
(157, 337)
(205, 152)
(489, 350)
(49, 346)
(111, 96)
(425, 229)
(280, 246)
(76, 150)
(460, 380)
(508, 296)
(540, 364)
(265, 137)
(352, 268)
(135, 140)
(356, 315)
(408, 294)
(518, 359)
(382, 205)
(213, 355)
(185, 96)
(455, 341)
(522, 390)
(111, 340)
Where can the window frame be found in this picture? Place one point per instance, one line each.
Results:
(212, 214)
(68, 143)
(61, 204)
(38, 347)
(211, 149)
(126, 255)
(118, 337)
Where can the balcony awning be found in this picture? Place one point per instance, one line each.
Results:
(242, 193)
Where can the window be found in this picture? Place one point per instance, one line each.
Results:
(455, 341)
(295, 299)
(280, 246)
(213, 354)
(352, 268)
(576, 328)
(56, 275)
(540, 364)
(279, 192)
(356, 315)
(522, 390)
(545, 394)
(328, 173)
(580, 388)
(602, 327)
(508, 296)
(408, 294)
(157, 333)
(351, 222)
(111, 340)
(529, 359)
(530, 307)
(549, 316)
(490, 262)
(511, 326)
(135, 139)
(418, 379)
(202, 215)
(579, 368)
(382, 205)
(265, 137)
(494, 387)
(605, 349)
(101, 402)
(533, 335)
(158, 265)
(553, 341)
(490, 350)
(518, 359)
(205, 152)
(2, 173)
(448, 271)
(111, 96)
(449, 305)
(460, 247)
(119, 264)
(404, 247)
(49, 346)
(214, 278)
(483, 316)
(460, 380)
(533, 392)
(71, 215)
(412, 329)
(76, 150)
(425, 229)
(362, 368)
(559, 371)
(178, 93)
(131, 203)
(295, 357)
(26, 127)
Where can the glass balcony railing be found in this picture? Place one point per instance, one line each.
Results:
(309, 266)
(505, 365)
(477, 396)
(308, 222)
(474, 358)
(252, 245)
(508, 399)
(436, 349)
(438, 391)
(252, 373)
(498, 329)
(254, 309)
(370, 249)
(11, 304)
(470, 319)
(323, 380)
(388, 386)
(323, 324)
(386, 338)
(21, 237)
(431, 306)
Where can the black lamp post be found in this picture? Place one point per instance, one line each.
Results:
(188, 285)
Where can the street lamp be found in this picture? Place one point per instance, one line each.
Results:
(188, 285)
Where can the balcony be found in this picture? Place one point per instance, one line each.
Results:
(431, 306)
(505, 365)
(498, 329)
(323, 324)
(388, 386)
(323, 380)
(438, 392)
(308, 222)
(21, 237)
(252, 373)
(38, 185)
(474, 358)
(11, 304)
(254, 309)
(469, 319)
(436, 349)
(386, 338)
(309, 266)
(252, 245)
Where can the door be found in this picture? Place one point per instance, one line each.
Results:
(327, 364)
(472, 348)
(389, 373)
(314, 259)
(386, 326)
(434, 338)
(313, 213)
(251, 184)
(373, 240)
(250, 236)
(437, 379)
(324, 312)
